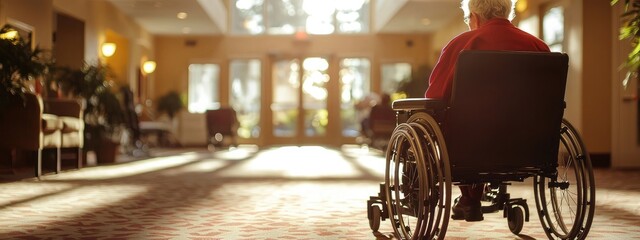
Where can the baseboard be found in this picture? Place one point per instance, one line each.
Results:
(601, 160)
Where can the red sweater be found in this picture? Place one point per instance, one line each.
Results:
(495, 34)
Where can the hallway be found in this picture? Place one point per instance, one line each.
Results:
(289, 192)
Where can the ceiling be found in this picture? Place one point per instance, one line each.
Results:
(209, 17)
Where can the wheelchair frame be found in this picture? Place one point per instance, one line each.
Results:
(416, 194)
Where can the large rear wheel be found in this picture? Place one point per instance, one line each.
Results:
(418, 180)
(566, 202)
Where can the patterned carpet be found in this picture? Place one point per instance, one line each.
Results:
(276, 193)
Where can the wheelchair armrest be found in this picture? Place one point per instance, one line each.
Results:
(409, 104)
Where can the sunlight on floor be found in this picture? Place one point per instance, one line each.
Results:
(207, 165)
(211, 162)
(372, 160)
(619, 200)
(128, 169)
(15, 192)
(241, 152)
(297, 162)
(69, 203)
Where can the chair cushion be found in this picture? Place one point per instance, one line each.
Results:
(52, 140)
(72, 140)
(71, 124)
(50, 123)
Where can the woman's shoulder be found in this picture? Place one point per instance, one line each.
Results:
(461, 39)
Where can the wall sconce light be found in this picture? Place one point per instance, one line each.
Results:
(11, 34)
(148, 67)
(108, 49)
(521, 6)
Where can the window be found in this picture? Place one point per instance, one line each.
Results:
(204, 80)
(354, 87)
(245, 76)
(315, 78)
(393, 76)
(291, 16)
(553, 28)
(286, 85)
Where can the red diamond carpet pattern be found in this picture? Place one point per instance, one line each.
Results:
(247, 193)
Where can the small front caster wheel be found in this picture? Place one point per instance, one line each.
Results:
(515, 218)
(374, 220)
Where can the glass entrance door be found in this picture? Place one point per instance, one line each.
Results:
(299, 100)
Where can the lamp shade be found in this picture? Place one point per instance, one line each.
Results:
(149, 67)
(108, 49)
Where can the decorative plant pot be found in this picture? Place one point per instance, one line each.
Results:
(107, 151)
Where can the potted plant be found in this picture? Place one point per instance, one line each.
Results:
(19, 63)
(170, 103)
(630, 30)
(103, 112)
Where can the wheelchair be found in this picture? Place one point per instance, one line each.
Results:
(503, 123)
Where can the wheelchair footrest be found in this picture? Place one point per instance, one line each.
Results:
(490, 209)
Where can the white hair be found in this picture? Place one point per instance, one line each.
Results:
(489, 9)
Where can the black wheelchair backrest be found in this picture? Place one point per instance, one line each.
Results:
(505, 110)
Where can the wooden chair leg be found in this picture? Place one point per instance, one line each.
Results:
(80, 159)
(58, 159)
(14, 155)
(38, 167)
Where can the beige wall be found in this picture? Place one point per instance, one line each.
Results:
(104, 18)
(101, 18)
(68, 47)
(596, 98)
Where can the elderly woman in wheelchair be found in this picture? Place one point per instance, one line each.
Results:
(483, 136)
(493, 114)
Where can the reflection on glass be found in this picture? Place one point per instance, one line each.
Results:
(203, 87)
(286, 84)
(247, 17)
(314, 96)
(553, 28)
(245, 95)
(319, 16)
(284, 17)
(291, 16)
(352, 16)
(394, 75)
(354, 86)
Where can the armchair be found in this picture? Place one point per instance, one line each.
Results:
(69, 112)
(26, 127)
(222, 123)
